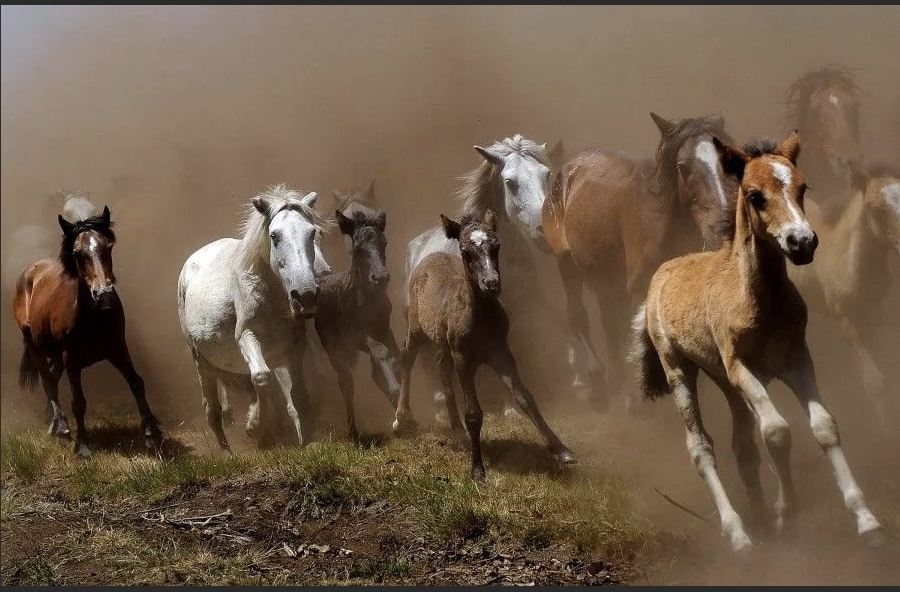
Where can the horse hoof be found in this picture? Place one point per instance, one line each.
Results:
(511, 414)
(874, 539)
(741, 544)
(565, 457)
(82, 450)
(478, 474)
(405, 426)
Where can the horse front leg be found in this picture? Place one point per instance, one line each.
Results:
(465, 371)
(384, 356)
(800, 376)
(266, 386)
(149, 424)
(79, 407)
(504, 365)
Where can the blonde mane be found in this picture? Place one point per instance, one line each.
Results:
(255, 227)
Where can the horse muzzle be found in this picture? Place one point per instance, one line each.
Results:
(303, 304)
(103, 297)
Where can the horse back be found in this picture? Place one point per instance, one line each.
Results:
(588, 194)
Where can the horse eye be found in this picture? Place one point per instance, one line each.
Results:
(756, 198)
(512, 184)
(275, 237)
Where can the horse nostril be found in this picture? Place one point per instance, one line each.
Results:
(792, 241)
(295, 295)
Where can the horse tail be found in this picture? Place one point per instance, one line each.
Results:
(651, 376)
(28, 371)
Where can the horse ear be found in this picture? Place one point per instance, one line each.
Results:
(733, 159)
(105, 215)
(370, 192)
(344, 223)
(451, 227)
(490, 155)
(790, 148)
(381, 221)
(310, 199)
(720, 121)
(557, 153)
(665, 126)
(66, 226)
(261, 204)
(490, 220)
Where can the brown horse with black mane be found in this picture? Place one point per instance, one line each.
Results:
(71, 317)
(611, 219)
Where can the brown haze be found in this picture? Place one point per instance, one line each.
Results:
(176, 116)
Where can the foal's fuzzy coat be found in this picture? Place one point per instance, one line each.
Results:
(453, 304)
(735, 314)
(354, 311)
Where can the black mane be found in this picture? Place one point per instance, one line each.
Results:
(96, 223)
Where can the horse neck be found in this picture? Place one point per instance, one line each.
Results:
(762, 266)
(863, 254)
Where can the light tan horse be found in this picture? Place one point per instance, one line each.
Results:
(850, 279)
(736, 315)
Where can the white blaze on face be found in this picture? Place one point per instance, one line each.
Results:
(706, 153)
(834, 100)
(478, 237)
(783, 174)
(524, 203)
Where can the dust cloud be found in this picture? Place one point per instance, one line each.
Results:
(175, 116)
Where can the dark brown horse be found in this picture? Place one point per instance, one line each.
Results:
(612, 219)
(354, 311)
(71, 317)
(824, 106)
(454, 305)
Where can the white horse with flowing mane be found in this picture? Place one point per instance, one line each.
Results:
(512, 181)
(242, 304)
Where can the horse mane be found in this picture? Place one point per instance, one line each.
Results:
(255, 227)
(727, 222)
(663, 181)
(362, 214)
(480, 188)
(799, 92)
(67, 244)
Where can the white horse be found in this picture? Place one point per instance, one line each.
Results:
(513, 181)
(242, 304)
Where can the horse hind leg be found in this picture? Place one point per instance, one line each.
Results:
(212, 407)
(683, 384)
(59, 425)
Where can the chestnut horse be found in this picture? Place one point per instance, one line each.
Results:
(736, 315)
(824, 104)
(611, 219)
(71, 317)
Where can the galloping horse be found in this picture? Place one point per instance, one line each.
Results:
(453, 304)
(71, 317)
(512, 180)
(736, 315)
(354, 311)
(612, 219)
(850, 279)
(242, 304)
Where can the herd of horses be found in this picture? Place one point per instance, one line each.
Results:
(686, 252)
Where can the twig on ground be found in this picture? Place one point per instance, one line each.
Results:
(680, 506)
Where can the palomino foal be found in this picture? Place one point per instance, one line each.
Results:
(453, 304)
(735, 314)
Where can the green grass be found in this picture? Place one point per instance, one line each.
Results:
(589, 506)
